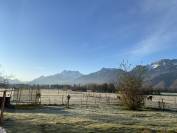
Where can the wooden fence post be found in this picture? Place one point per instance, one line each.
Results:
(68, 98)
(2, 107)
(163, 105)
(159, 104)
(62, 100)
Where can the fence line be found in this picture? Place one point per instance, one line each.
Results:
(163, 102)
(78, 98)
(59, 97)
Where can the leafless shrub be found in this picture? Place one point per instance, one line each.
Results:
(130, 88)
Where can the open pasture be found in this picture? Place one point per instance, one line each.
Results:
(91, 119)
(89, 112)
(59, 97)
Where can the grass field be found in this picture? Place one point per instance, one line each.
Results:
(77, 119)
(89, 113)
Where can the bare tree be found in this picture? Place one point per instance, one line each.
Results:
(130, 87)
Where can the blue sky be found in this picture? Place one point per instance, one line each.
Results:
(43, 37)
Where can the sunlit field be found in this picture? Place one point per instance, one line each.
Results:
(89, 112)
(58, 97)
(77, 119)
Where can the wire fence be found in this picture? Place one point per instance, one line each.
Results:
(26, 96)
(165, 101)
(59, 97)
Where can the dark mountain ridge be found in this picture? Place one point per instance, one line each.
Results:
(162, 73)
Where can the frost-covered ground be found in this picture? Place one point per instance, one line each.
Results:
(92, 119)
(55, 96)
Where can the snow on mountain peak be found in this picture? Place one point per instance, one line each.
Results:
(154, 66)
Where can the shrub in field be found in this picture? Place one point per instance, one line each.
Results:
(130, 88)
(131, 91)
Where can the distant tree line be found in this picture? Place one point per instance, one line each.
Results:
(106, 87)
(110, 88)
(4, 83)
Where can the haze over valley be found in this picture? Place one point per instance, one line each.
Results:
(160, 74)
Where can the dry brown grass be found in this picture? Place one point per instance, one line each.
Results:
(102, 119)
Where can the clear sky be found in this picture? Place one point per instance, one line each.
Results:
(43, 37)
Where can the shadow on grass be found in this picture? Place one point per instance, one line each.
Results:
(41, 109)
(96, 123)
(17, 126)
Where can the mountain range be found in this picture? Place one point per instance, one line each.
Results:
(161, 74)
(105, 75)
(65, 77)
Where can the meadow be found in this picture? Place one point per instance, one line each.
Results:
(89, 112)
(91, 119)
